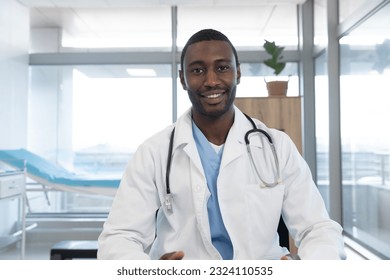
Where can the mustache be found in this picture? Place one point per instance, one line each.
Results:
(214, 90)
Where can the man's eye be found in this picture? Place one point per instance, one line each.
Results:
(197, 70)
(223, 68)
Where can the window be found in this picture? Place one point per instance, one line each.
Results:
(320, 23)
(348, 7)
(254, 75)
(112, 116)
(322, 126)
(90, 119)
(365, 138)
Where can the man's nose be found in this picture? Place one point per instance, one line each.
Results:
(212, 79)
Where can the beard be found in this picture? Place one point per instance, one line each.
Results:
(210, 112)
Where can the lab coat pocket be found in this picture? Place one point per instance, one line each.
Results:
(264, 203)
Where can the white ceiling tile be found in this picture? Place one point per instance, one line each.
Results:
(79, 3)
(36, 3)
(116, 19)
(131, 3)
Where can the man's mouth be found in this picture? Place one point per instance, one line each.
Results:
(213, 95)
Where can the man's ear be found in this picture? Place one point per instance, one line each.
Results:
(238, 74)
(182, 80)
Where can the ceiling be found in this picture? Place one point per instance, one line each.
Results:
(132, 3)
(104, 18)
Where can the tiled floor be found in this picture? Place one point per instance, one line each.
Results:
(32, 252)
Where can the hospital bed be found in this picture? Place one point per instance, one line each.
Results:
(52, 175)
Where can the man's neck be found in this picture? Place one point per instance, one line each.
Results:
(215, 129)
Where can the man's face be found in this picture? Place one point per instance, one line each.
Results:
(210, 76)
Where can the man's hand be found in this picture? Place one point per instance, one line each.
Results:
(178, 255)
(290, 257)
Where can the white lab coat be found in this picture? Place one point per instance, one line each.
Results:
(250, 213)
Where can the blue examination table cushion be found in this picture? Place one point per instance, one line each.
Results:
(50, 173)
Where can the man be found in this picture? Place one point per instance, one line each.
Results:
(192, 191)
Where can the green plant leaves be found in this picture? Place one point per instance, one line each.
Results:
(276, 55)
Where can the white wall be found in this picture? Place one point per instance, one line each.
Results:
(14, 46)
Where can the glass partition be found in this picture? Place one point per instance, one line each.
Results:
(320, 23)
(365, 111)
(348, 7)
(90, 119)
(322, 126)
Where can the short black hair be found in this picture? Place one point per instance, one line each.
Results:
(207, 35)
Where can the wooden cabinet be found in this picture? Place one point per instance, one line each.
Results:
(283, 113)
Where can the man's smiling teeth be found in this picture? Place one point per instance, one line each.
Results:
(216, 95)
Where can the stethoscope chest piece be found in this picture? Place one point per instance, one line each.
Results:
(168, 201)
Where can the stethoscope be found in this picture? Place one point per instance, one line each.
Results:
(264, 184)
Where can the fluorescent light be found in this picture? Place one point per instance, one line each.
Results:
(141, 72)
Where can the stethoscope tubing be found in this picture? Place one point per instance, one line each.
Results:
(168, 195)
(272, 146)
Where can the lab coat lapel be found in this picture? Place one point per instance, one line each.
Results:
(183, 137)
(235, 143)
(233, 149)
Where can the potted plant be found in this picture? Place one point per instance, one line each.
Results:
(275, 87)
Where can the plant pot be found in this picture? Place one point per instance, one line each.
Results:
(277, 88)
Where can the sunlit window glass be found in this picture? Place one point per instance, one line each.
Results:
(365, 109)
(119, 113)
(255, 75)
(91, 119)
(322, 126)
(320, 23)
(348, 7)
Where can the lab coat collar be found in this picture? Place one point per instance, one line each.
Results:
(235, 142)
(185, 140)
(183, 132)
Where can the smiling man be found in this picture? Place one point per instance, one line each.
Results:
(210, 75)
(196, 190)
